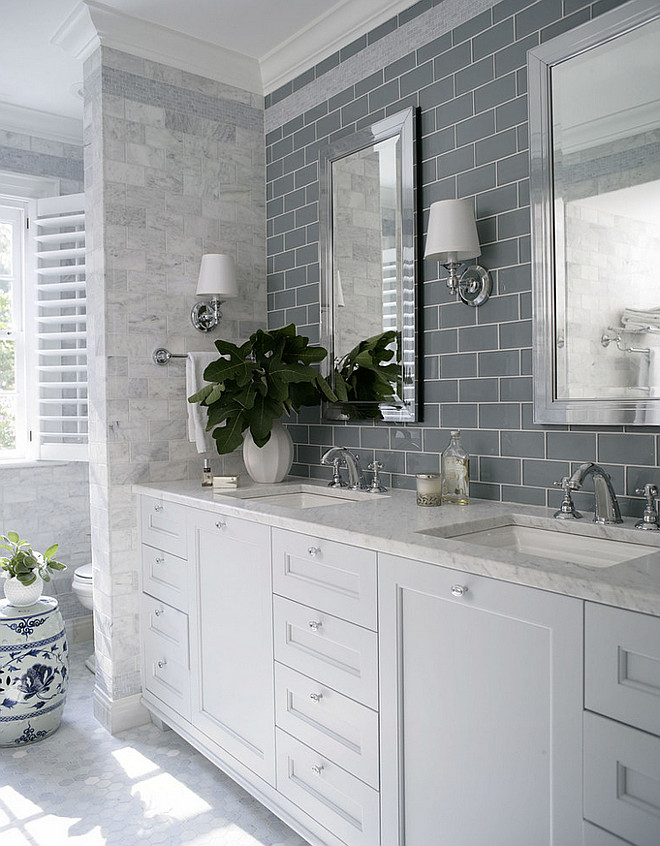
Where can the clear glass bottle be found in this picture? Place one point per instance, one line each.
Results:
(207, 475)
(455, 471)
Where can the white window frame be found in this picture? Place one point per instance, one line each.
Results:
(28, 327)
(16, 212)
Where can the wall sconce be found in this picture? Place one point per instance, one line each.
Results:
(451, 239)
(217, 282)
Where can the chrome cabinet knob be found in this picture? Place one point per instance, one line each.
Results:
(315, 625)
(221, 524)
(159, 559)
(314, 551)
(158, 507)
(316, 697)
(162, 663)
(317, 769)
(159, 612)
(459, 590)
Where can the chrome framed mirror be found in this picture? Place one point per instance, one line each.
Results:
(367, 233)
(594, 119)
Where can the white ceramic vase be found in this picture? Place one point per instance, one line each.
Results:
(270, 463)
(20, 595)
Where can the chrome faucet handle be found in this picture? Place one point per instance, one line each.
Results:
(567, 510)
(376, 485)
(649, 521)
(337, 480)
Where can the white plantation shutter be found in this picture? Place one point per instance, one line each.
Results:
(61, 353)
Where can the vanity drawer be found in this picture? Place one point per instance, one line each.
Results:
(327, 649)
(337, 800)
(622, 666)
(166, 628)
(163, 525)
(622, 780)
(337, 577)
(337, 727)
(165, 576)
(164, 676)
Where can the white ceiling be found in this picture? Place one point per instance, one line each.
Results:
(39, 80)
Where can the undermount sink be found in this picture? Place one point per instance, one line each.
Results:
(305, 496)
(588, 550)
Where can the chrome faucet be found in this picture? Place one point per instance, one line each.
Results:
(607, 507)
(356, 480)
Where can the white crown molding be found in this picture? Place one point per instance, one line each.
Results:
(335, 29)
(77, 34)
(156, 43)
(24, 121)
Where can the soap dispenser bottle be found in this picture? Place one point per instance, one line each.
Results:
(455, 471)
(207, 475)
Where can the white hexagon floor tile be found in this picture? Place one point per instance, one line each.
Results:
(83, 787)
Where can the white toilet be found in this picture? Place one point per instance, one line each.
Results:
(84, 589)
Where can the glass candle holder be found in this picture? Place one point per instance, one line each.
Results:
(429, 489)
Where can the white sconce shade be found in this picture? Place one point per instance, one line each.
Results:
(217, 277)
(452, 232)
(217, 282)
(452, 239)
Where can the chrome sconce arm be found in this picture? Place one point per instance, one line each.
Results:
(206, 315)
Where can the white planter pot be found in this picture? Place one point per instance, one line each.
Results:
(271, 462)
(20, 595)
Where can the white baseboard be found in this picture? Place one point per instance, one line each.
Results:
(117, 715)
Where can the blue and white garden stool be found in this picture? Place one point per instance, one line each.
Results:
(34, 671)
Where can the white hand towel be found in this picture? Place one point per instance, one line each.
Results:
(196, 364)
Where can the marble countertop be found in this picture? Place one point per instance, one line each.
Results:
(394, 523)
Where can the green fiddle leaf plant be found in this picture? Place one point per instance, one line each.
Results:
(366, 375)
(254, 384)
(24, 564)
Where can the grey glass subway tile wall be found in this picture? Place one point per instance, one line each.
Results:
(463, 67)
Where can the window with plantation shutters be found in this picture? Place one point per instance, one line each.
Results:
(61, 328)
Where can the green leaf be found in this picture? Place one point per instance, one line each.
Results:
(230, 436)
(326, 390)
(261, 418)
(201, 395)
(13, 537)
(215, 394)
(224, 370)
(341, 388)
(227, 348)
(50, 552)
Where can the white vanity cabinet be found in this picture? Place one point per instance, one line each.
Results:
(232, 696)
(622, 726)
(481, 693)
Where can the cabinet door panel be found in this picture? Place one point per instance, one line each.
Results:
(480, 710)
(234, 691)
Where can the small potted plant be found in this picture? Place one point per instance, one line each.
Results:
(252, 386)
(26, 570)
